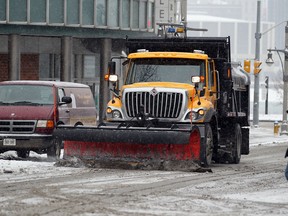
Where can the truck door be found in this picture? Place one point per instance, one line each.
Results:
(212, 83)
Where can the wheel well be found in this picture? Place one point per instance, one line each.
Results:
(78, 124)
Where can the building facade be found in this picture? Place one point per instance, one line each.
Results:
(73, 40)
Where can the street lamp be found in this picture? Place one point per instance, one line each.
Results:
(270, 61)
(258, 36)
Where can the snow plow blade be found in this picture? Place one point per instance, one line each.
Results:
(132, 143)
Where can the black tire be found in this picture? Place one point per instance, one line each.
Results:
(55, 150)
(208, 146)
(23, 153)
(236, 144)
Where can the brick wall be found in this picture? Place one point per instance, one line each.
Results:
(3, 67)
(29, 67)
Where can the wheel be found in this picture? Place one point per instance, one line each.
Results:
(236, 139)
(207, 148)
(23, 153)
(55, 150)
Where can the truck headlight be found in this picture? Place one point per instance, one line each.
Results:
(195, 115)
(116, 114)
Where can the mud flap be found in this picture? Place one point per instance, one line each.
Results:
(245, 141)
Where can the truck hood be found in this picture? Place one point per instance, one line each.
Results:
(26, 112)
(186, 86)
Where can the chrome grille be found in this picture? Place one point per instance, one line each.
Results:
(15, 126)
(161, 105)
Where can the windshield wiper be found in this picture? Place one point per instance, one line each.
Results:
(4, 103)
(26, 103)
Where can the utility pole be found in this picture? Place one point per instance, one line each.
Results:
(285, 75)
(256, 75)
(267, 88)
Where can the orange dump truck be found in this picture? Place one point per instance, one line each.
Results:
(182, 100)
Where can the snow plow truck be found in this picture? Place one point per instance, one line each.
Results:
(182, 100)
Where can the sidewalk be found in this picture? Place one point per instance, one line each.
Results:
(264, 134)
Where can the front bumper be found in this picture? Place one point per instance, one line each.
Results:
(25, 141)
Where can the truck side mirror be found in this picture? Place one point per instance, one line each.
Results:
(111, 67)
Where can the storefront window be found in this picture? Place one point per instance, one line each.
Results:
(113, 7)
(135, 23)
(38, 10)
(87, 12)
(72, 12)
(101, 13)
(56, 11)
(125, 14)
(18, 10)
(2, 10)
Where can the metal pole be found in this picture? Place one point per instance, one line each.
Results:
(104, 95)
(266, 99)
(285, 75)
(256, 75)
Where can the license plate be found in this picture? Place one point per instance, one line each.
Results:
(9, 142)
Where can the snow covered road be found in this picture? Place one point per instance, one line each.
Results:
(256, 186)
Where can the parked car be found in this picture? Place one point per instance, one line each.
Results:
(30, 110)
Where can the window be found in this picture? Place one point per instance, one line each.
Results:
(165, 70)
(37, 10)
(135, 23)
(243, 38)
(113, 18)
(87, 12)
(18, 10)
(101, 13)
(2, 10)
(125, 14)
(73, 12)
(143, 15)
(89, 66)
(150, 19)
(56, 11)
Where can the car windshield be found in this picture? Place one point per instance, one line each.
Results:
(165, 70)
(26, 95)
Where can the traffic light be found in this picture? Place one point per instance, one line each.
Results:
(247, 64)
(256, 66)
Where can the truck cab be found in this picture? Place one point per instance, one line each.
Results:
(175, 87)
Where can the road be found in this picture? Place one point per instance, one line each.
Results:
(256, 186)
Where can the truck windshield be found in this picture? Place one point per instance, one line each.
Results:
(26, 95)
(165, 70)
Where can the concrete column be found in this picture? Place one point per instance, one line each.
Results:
(66, 58)
(79, 68)
(14, 57)
(104, 93)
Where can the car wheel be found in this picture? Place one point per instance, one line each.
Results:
(23, 153)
